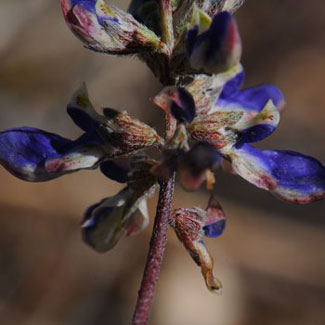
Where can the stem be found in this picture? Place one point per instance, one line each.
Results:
(156, 253)
(167, 29)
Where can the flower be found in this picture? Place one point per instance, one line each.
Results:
(36, 155)
(191, 225)
(108, 29)
(110, 141)
(238, 117)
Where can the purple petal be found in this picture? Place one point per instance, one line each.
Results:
(218, 48)
(216, 219)
(89, 5)
(107, 221)
(103, 224)
(24, 151)
(233, 85)
(191, 39)
(82, 119)
(255, 134)
(298, 172)
(35, 155)
(215, 230)
(255, 98)
(183, 108)
(291, 176)
(115, 170)
(82, 112)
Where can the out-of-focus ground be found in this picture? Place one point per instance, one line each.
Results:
(271, 258)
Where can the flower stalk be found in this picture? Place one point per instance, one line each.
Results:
(156, 252)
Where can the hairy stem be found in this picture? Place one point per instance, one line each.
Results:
(156, 252)
(167, 29)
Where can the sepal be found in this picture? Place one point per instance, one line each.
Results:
(212, 7)
(207, 89)
(217, 128)
(126, 133)
(147, 13)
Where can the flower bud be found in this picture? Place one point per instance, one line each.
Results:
(126, 133)
(217, 49)
(107, 29)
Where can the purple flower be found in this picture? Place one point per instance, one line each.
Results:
(239, 117)
(36, 155)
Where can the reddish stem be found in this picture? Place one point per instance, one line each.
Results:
(156, 253)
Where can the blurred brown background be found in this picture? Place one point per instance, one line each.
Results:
(271, 257)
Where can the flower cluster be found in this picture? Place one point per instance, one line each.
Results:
(210, 119)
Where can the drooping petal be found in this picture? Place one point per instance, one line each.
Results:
(108, 29)
(139, 220)
(291, 176)
(105, 222)
(188, 225)
(125, 213)
(217, 49)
